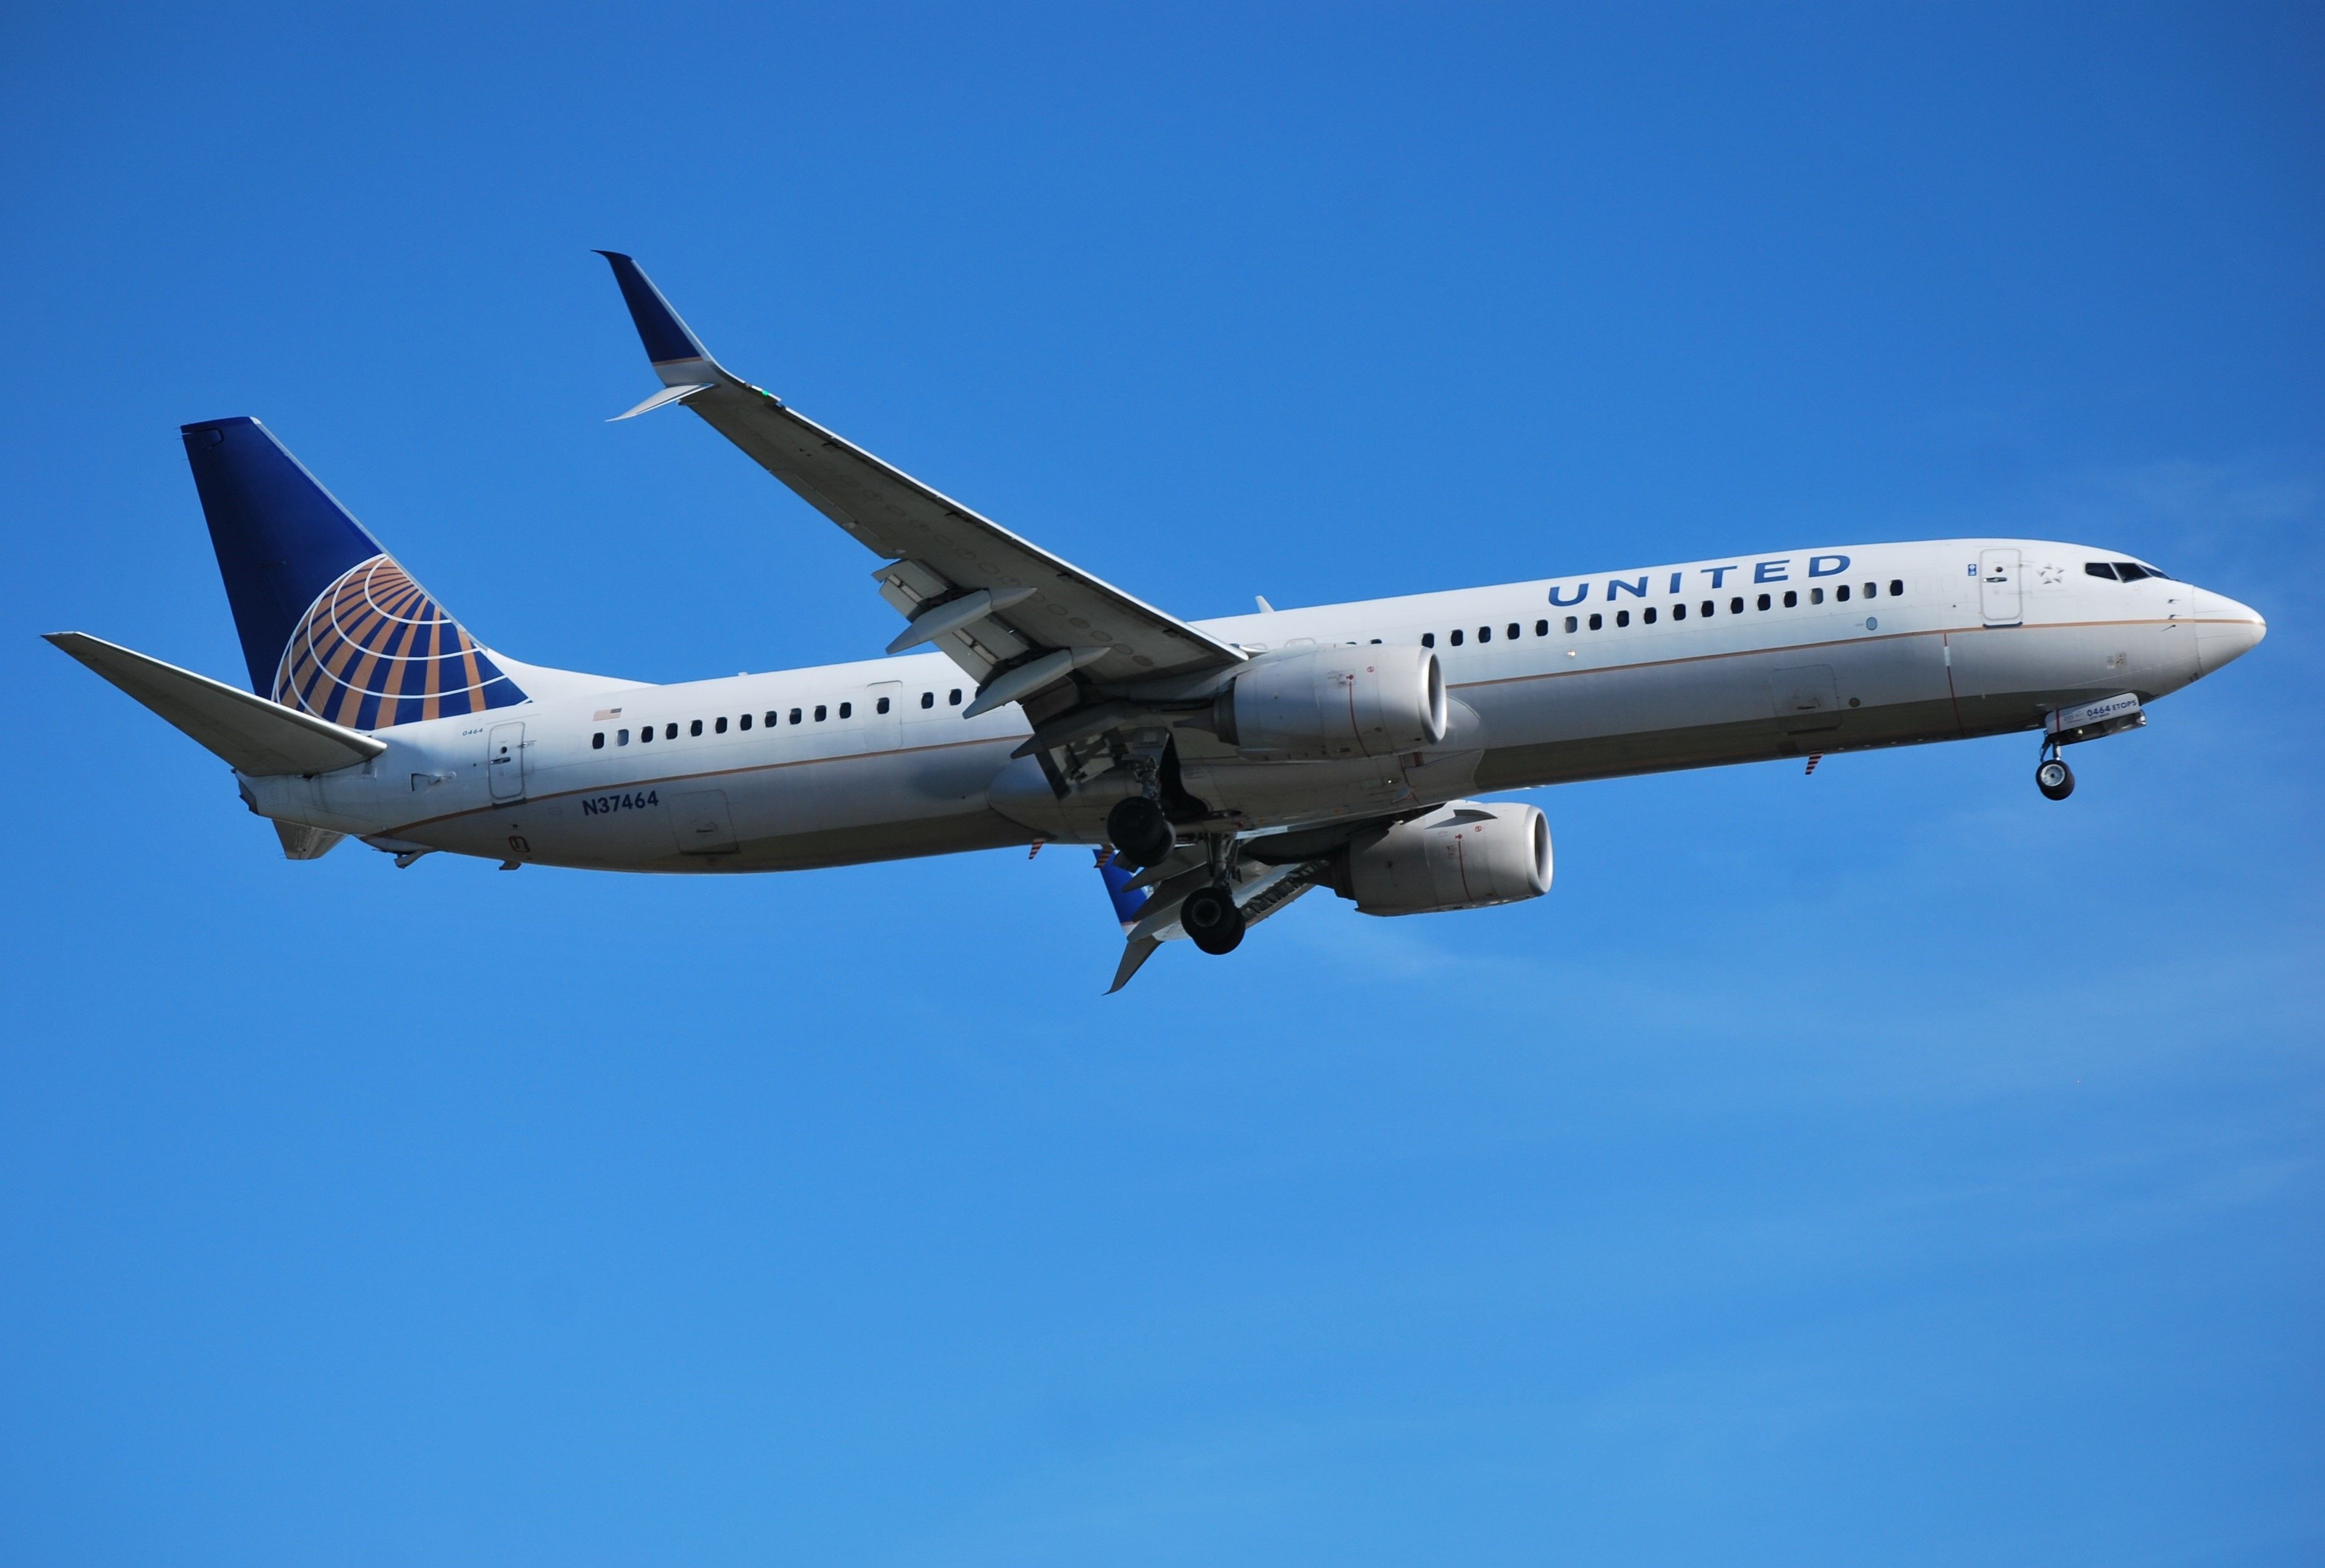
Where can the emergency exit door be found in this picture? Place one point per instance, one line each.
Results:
(504, 761)
(1997, 586)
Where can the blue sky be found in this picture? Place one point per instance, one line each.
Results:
(1882, 1166)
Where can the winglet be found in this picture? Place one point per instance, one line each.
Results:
(1129, 905)
(1129, 902)
(678, 355)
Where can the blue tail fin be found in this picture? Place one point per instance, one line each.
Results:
(329, 622)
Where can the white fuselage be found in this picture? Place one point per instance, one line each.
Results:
(1980, 637)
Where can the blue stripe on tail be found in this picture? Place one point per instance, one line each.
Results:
(280, 538)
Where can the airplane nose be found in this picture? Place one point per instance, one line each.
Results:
(2225, 630)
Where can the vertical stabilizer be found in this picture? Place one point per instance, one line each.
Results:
(329, 624)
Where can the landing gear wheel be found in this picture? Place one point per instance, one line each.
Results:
(1141, 834)
(1211, 920)
(2055, 779)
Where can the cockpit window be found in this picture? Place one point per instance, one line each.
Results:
(2100, 569)
(2130, 571)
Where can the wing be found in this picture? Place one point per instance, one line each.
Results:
(1019, 621)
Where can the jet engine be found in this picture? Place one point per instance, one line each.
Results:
(1344, 700)
(1464, 854)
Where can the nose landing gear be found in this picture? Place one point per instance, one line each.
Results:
(2052, 776)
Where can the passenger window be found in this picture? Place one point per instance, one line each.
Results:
(928, 699)
(1816, 596)
(1429, 639)
(1541, 629)
(1841, 593)
(1571, 623)
(1455, 637)
(645, 733)
(1622, 618)
(954, 699)
(884, 705)
(1648, 614)
(695, 728)
(1896, 586)
(1791, 599)
(744, 723)
(795, 716)
(1513, 632)
(1485, 634)
(1764, 601)
(720, 725)
(597, 741)
(819, 711)
(1597, 621)
(1679, 612)
(773, 718)
(1736, 605)
(1707, 608)
(847, 709)
(621, 738)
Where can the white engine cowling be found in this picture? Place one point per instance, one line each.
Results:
(1465, 855)
(1344, 700)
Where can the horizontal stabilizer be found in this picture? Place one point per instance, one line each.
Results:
(253, 734)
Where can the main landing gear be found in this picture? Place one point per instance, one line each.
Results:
(1141, 834)
(2052, 776)
(1211, 919)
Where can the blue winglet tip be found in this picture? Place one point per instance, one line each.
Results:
(665, 337)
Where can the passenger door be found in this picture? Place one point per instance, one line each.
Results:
(504, 761)
(1998, 591)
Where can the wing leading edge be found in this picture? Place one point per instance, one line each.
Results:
(1019, 621)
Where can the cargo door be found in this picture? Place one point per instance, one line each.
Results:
(504, 761)
(1806, 699)
(699, 820)
(1999, 590)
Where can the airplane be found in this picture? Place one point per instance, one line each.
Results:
(1218, 769)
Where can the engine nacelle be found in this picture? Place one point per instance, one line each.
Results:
(1344, 700)
(1464, 854)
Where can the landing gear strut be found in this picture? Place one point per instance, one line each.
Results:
(2052, 776)
(1211, 919)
